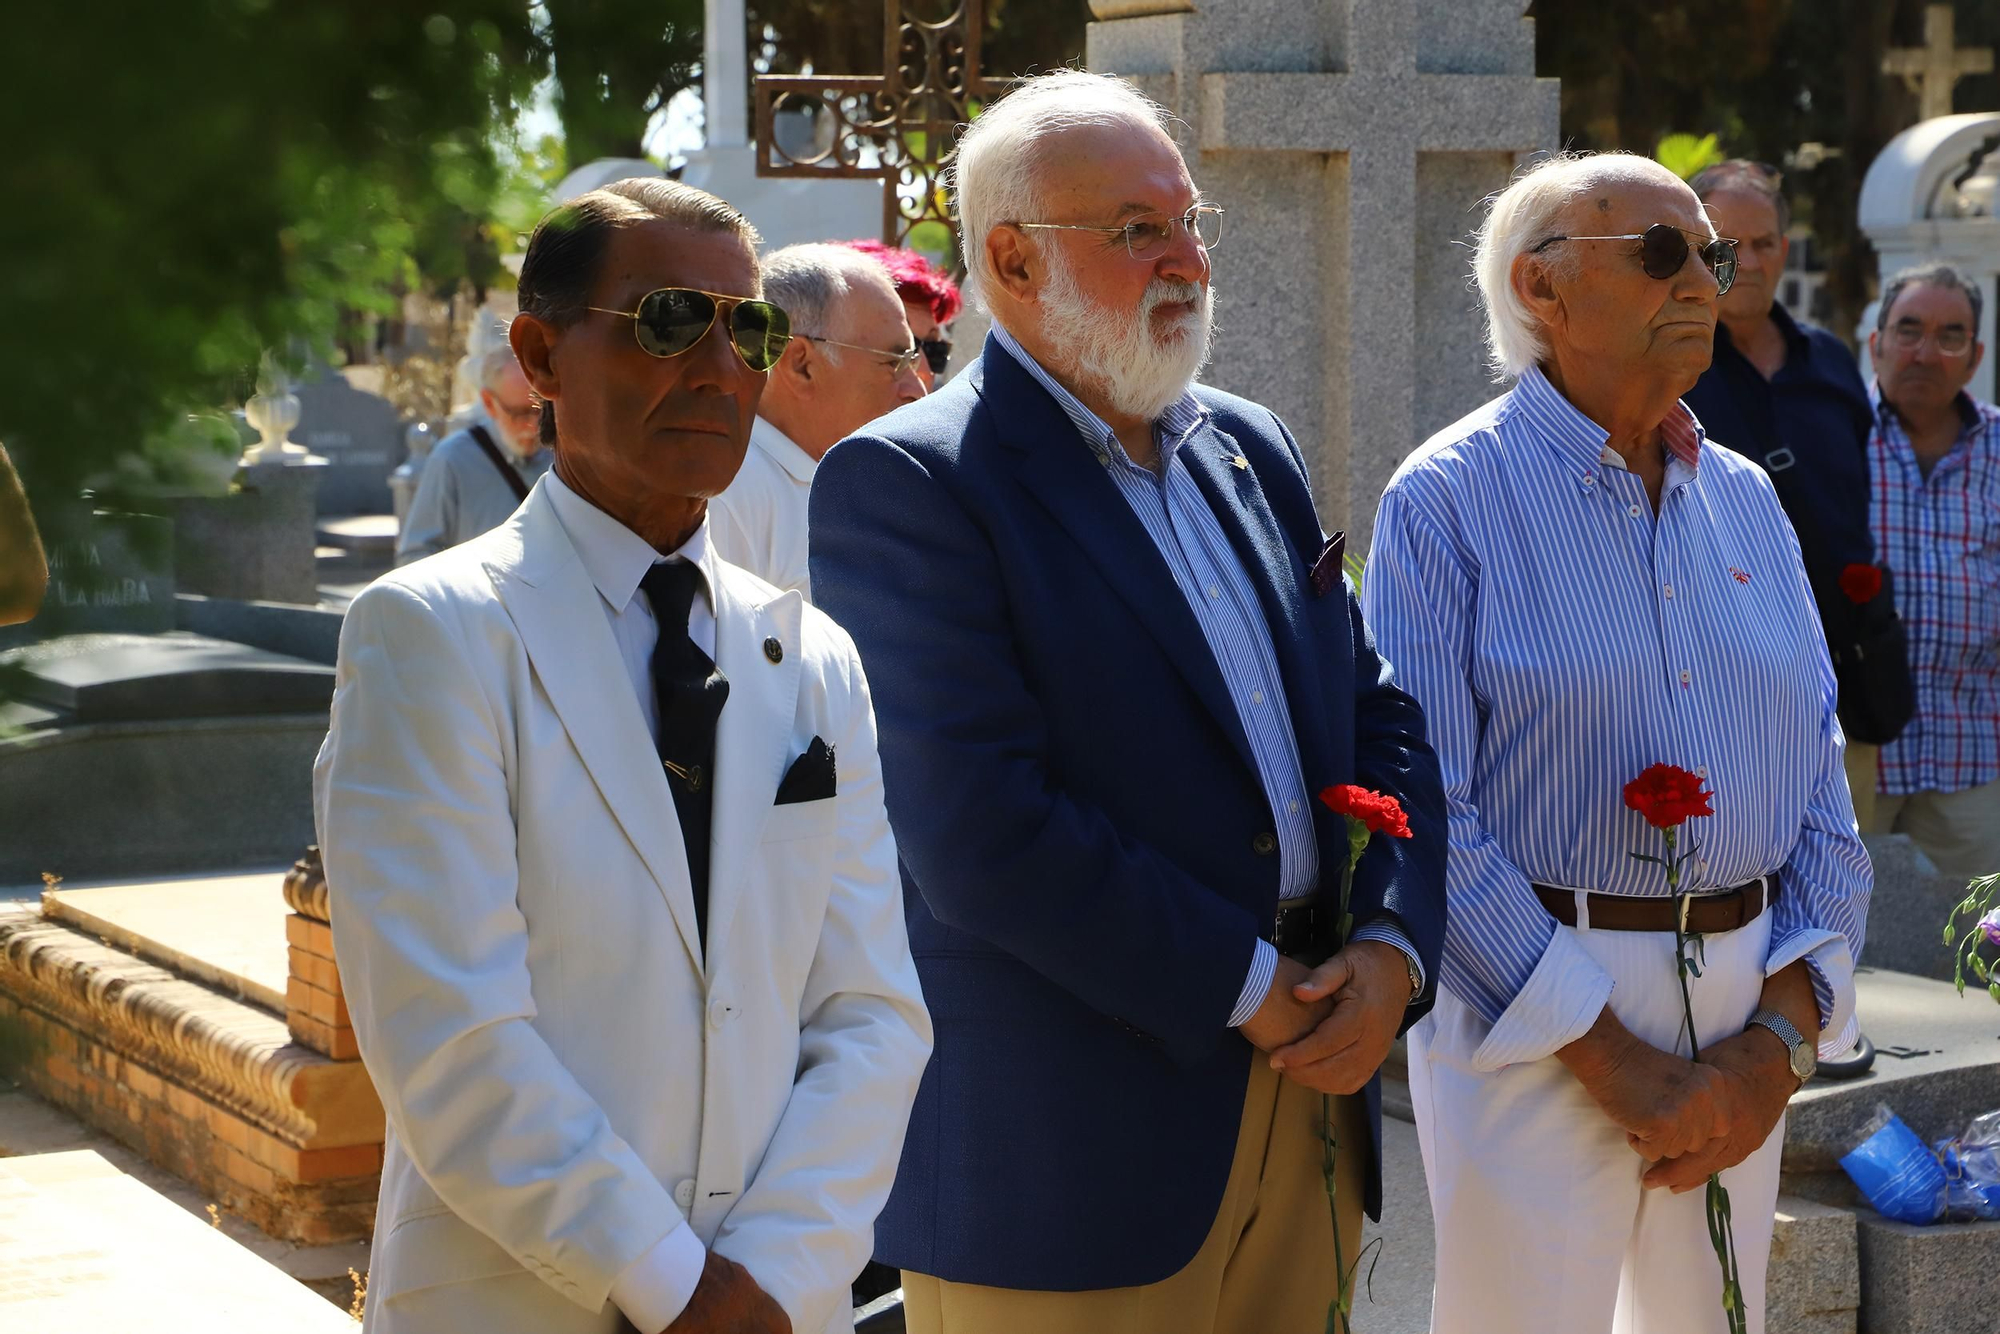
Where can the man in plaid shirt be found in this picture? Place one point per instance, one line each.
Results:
(1934, 464)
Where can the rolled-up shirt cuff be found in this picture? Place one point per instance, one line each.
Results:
(1390, 934)
(1556, 1005)
(656, 1287)
(1830, 964)
(1263, 967)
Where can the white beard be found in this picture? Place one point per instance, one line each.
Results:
(1116, 353)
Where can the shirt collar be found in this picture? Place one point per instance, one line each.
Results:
(1971, 412)
(1582, 441)
(1170, 429)
(783, 451)
(615, 557)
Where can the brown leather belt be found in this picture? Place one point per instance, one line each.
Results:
(1704, 914)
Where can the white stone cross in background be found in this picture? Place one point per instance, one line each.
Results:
(1934, 69)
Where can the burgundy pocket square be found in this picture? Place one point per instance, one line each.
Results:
(1326, 570)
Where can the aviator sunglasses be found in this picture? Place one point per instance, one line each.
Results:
(672, 320)
(1663, 248)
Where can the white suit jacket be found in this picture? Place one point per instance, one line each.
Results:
(566, 1076)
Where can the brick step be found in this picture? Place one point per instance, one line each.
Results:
(217, 1090)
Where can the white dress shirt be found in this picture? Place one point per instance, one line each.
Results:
(655, 1288)
(759, 522)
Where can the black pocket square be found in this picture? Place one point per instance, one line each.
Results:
(1326, 570)
(811, 777)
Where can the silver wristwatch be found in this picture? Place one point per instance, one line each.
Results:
(1805, 1057)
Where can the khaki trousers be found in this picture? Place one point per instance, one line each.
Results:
(1958, 831)
(1862, 761)
(1266, 1267)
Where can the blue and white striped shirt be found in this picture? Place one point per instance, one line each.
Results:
(1560, 639)
(1196, 549)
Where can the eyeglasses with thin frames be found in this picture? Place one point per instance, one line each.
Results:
(1948, 342)
(898, 361)
(1150, 234)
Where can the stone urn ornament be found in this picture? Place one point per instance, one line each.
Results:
(272, 412)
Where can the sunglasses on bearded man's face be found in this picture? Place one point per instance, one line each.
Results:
(672, 320)
(1663, 249)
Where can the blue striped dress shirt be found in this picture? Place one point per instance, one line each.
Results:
(1224, 601)
(1561, 638)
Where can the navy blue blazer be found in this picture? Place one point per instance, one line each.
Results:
(1082, 828)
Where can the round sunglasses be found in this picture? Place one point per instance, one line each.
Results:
(1663, 249)
(673, 319)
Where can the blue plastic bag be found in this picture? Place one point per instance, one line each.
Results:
(1972, 1170)
(1897, 1171)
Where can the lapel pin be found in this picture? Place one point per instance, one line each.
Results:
(1241, 462)
(774, 650)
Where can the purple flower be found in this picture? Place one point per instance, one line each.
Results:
(1989, 926)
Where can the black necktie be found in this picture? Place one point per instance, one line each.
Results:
(690, 692)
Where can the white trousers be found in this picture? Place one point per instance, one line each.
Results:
(1542, 1224)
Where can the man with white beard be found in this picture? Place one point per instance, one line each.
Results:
(1113, 659)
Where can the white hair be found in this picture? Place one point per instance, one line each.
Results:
(995, 176)
(1523, 216)
(810, 281)
(493, 367)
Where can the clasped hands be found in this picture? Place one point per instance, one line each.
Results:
(1690, 1119)
(1330, 1028)
(727, 1300)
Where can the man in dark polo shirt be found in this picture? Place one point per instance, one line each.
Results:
(1789, 396)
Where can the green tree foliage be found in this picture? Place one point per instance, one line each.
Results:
(617, 63)
(192, 183)
(1766, 77)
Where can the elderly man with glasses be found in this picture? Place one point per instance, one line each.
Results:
(1577, 586)
(852, 359)
(1115, 660)
(614, 892)
(476, 477)
(1935, 465)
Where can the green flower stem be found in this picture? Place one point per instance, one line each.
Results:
(1721, 1230)
(1340, 1311)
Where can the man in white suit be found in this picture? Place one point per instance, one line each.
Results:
(614, 895)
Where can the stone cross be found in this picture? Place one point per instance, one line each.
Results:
(1934, 69)
(1351, 145)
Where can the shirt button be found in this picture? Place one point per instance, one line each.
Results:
(1702, 772)
(684, 1193)
(1634, 511)
(1214, 592)
(1256, 697)
(1264, 844)
(1293, 806)
(1684, 676)
(1670, 590)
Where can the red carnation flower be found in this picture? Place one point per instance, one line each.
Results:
(1667, 796)
(1381, 814)
(1861, 583)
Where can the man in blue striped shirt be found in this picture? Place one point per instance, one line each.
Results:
(1113, 660)
(1576, 585)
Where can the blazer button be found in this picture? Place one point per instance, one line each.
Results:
(774, 650)
(718, 1012)
(684, 1194)
(1264, 844)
